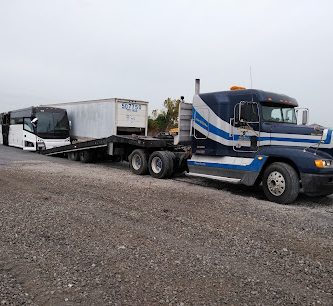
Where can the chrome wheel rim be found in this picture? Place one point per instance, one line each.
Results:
(136, 162)
(156, 164)
(276, 183)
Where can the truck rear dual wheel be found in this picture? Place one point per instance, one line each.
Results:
(138, 161)
(172, 158)
(161, 164)
(281, 183)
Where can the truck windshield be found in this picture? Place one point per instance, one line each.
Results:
(52, 124)
(279, 113)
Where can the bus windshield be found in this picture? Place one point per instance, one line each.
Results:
(279, 113)
(52, 124)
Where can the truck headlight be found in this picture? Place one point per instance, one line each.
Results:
(323, 163)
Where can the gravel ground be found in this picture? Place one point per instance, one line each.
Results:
(96, 234)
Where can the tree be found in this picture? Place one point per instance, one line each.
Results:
(162, 121)
(159, 124)
(172, 106)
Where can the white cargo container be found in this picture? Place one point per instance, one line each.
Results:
(103, 118)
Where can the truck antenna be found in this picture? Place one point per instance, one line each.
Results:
(251, 76)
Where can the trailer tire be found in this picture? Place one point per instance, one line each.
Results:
(138, 161)
(74, 156)
(160, 164)
(86, 156)
(281, 183)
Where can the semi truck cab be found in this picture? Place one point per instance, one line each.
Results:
(250, 136)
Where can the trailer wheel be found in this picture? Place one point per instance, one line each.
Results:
(74, 156)
(138, 161)
(86, 156)
(281, 183)
(160, 164)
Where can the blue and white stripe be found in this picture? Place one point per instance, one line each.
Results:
(213, 127)
(228, 162)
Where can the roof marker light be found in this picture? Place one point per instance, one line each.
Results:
(237, 88)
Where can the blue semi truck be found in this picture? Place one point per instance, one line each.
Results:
(240, 136)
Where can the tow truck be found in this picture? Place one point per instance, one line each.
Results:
(240, 136)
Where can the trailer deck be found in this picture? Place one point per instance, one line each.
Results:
(135, 141)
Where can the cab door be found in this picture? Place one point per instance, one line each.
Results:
(246, 127)
(29, 136)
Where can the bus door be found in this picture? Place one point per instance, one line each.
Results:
(29, 136)
(5, 129)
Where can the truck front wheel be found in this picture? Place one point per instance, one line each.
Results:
(160, 164)
(138, 161)
(281, 183)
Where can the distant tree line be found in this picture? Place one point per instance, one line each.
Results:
(165, 119)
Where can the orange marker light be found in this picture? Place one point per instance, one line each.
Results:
(322, 163)
(237, 88)
(319, 163)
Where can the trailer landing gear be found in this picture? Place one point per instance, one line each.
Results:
(74, 156)
(86, 156)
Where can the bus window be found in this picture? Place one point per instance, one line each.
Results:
(16, 120)
(45, 123)
(52, 125)
(60, 121)
(28, 125)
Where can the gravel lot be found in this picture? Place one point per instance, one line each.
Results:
(96, 234)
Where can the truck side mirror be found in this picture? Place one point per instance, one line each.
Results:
(302, 115)
(305, 117)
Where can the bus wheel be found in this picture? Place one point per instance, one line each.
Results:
(160, 164)
(75, 156)
(86, 156)
(281, 183)
(138, 161)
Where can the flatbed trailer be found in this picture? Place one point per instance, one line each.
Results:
(158, 156)
(137, 141)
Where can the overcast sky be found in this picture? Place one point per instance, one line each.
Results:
(71, 50)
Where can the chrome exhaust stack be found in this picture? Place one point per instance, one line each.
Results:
(197, 86)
